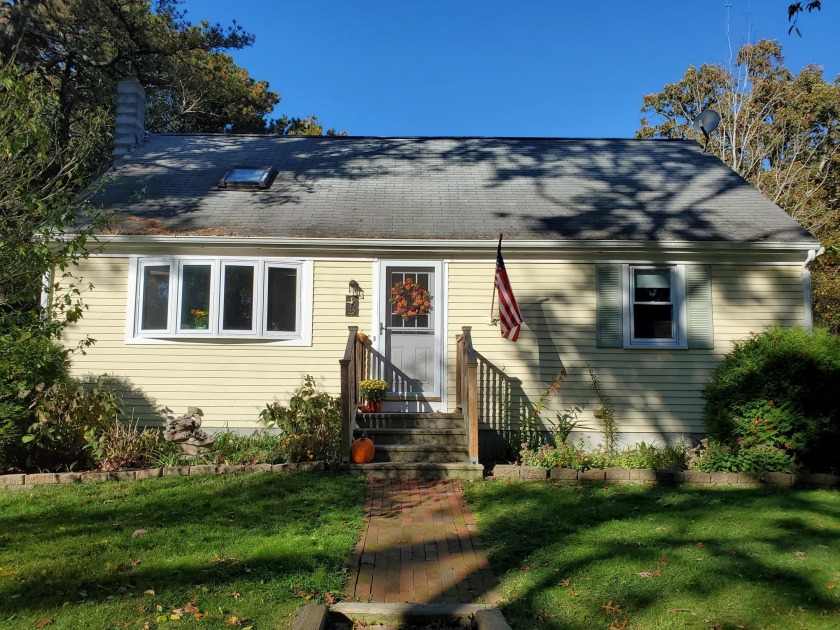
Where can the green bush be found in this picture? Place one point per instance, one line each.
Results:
(311, 424)
(757, 459)
(653, 457)
(28, 364)
(258, 448)
(120, 445)
(564, 456)
(70, 417)
(778, 389)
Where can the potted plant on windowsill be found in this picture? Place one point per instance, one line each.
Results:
(373, 391)
(199, 319)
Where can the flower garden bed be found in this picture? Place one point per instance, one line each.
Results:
(665, 477)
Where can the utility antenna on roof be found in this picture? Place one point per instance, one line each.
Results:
(705, 123)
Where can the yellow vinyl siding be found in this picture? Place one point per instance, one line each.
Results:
(652, 390)
(230, 381)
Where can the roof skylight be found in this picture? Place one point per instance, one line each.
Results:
(248, 177)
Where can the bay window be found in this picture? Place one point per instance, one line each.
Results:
(194, 298)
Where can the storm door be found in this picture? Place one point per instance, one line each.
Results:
(410, 326)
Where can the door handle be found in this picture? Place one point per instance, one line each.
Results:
(381, 328)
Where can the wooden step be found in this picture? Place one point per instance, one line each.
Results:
(402, 470)
(410, 420)
(452, 437)
(421, 453)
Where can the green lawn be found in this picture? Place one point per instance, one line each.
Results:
(646, 557)
(244, 550)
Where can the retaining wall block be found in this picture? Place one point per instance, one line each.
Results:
(175, 471)
(204, 469)
(697, 476)
(748, 479)
(778, 479)
(807, 479)
(148, 473)
(89, 477)
(669, 476)
(724, 478)
(616, 474)
(563, 474)
(69, 477)
(12, 480)
(533, 472)
(38, 479)
(279, 468)
(258, 468)
(232, 468)
(122, 475)
(506, 471)
(593, 474)
(308, 466)
(642, 474)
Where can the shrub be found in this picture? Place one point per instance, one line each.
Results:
(653, 457)
(757, 459)
(28, 365)
(69, 418)
(258, 448)
(120, 445)
(564, 456)
(778, 389)
(311, 424)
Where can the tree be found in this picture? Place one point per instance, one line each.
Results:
(778, 130)
(795, 8)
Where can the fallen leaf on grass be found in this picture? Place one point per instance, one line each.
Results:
(329, 599)
(699, 545)
(674, 611)
(199, 616)
(650, 574)
(612, 609)
(799, 554)
(615, 624)
(567, 582)
(148, 592)
(43, 622)
(526, 569)
(190, 608)
(233, 621)
(831, 587)
(138, 532)
(135, 562)
(235, 594)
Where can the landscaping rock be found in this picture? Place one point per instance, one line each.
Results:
(813, 479)
(697, 476)
(148, 473)
(258, 468)
(205, 469)
(748, 479)
(122, 475)
(724, 478)
(12, 480)
(69, 477)
(94, 476)
(41, 478)
(563, 474)
(506, 471)
(175, 471)
(616, 474)
(310, 466)
(778, 479)
(279, 468)
(233, 468)
(642, 474)
(593, 474)
(533, 472)
(311, 617)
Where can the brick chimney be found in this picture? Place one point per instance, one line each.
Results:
(131, 111)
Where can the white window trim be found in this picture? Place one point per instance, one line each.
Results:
(680, 340)
(214, 335)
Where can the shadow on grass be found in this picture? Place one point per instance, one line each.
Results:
(572, 557)
(73, 544)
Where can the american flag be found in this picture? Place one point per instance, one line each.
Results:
(509, 315)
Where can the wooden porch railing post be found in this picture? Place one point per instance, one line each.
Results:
(349, 391)
(467, 389)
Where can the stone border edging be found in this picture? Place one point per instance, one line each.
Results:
(666, 477)
(39, 479)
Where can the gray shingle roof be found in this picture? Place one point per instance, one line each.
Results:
(443, 188)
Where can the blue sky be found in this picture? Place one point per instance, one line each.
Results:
(490, 68)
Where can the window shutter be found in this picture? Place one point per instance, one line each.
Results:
(701, 332)
(609, 318)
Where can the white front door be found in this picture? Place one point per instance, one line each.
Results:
(410, 341)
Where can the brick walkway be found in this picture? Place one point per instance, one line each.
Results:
(419, 547)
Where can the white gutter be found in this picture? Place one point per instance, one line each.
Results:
(808, 316)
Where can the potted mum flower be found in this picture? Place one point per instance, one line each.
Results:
(199, 319)
(373, 391)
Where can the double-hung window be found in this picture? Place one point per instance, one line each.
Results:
(208, 298)
(654, 313)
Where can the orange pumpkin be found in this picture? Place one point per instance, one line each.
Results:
(361, 452)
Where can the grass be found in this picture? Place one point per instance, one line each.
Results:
(652, 557)
(219, 552)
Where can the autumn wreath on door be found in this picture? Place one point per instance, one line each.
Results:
(410, 298)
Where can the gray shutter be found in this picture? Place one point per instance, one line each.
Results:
(609, 333)
(701, 333)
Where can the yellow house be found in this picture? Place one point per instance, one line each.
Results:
(239, 264)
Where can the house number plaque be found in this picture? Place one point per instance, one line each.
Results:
(351, 306)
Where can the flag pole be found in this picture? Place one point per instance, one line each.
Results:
(493, 298)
